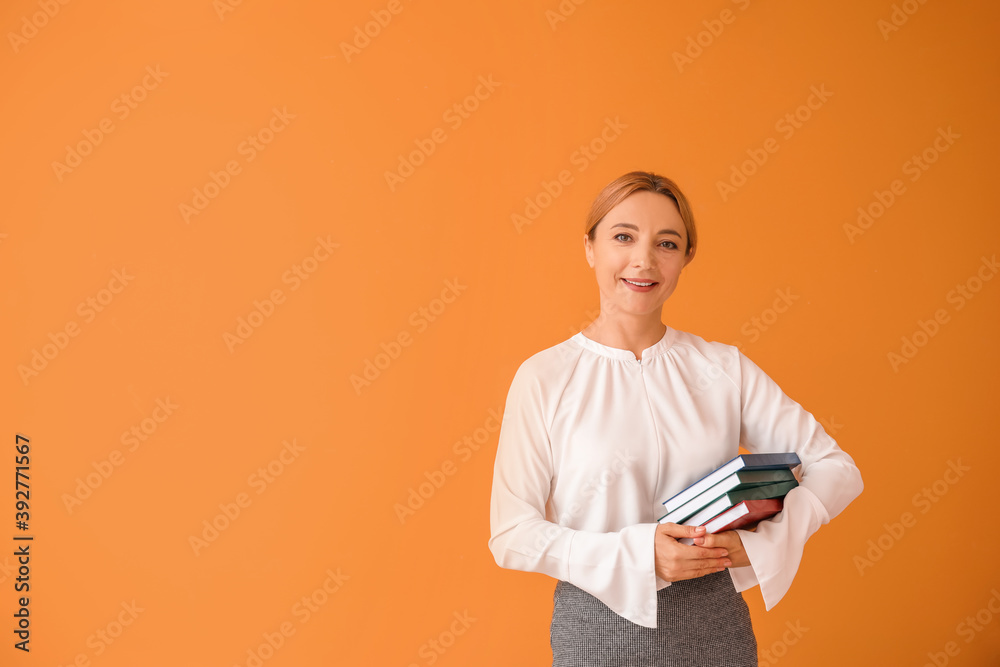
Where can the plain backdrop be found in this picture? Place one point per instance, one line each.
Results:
(268, 270)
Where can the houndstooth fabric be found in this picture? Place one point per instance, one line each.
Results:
(702, 622)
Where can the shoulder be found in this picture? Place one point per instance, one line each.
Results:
(708, 363)
(716, 360)
(542, 378)
(686, 343)
(551, 363)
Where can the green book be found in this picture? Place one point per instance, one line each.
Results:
(742, 479)
(727, 500)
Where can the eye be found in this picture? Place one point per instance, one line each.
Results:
(618, 237)
(670, 244)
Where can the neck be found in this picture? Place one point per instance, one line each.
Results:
(626, 332)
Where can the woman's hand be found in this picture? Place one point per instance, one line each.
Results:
(676, 561)
(731, 542)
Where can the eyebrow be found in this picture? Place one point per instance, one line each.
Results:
(662, 231)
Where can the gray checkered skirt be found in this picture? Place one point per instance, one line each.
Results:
(702, 622)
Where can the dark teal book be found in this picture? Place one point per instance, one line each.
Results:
(739, 480)
(745, 461)
(727, 500)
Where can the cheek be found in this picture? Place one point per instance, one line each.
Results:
(675, 266)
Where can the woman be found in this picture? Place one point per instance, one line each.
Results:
(600, 429)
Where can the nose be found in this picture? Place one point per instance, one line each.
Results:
(642, 256)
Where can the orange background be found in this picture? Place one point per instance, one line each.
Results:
(362, 449)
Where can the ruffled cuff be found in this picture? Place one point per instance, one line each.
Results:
(775, 548)
(619, 569)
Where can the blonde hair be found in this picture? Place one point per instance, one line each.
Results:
(634, 181)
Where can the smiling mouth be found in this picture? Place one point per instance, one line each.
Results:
(639, 284)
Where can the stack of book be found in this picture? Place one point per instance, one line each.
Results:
(738, 494)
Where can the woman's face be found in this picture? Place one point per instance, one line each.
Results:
(641, 240)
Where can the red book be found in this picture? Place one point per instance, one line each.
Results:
(743, 514)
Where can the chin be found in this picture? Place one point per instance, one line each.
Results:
(638, 312)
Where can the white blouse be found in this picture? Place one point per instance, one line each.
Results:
(592, 441)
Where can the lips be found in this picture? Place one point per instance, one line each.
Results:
(640, 286)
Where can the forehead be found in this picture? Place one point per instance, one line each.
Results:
(645, 208)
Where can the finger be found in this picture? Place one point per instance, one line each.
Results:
(685, 568)
(699, 572)
(714, 563)
(692, 552)
(700, 553)
(684, 564)
(678, 531)
(711, 540)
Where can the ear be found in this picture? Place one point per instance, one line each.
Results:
(690, 256)
(588, 249)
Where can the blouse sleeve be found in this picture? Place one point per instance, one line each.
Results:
(830, 480)
(617, 568)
